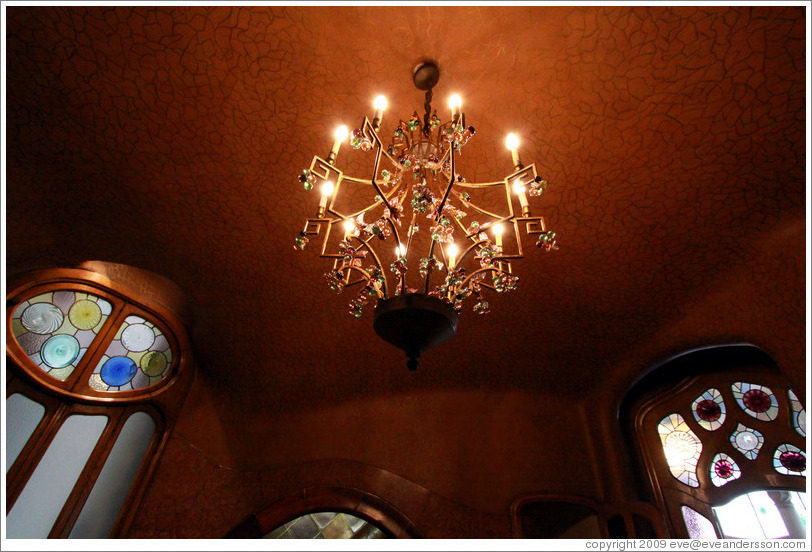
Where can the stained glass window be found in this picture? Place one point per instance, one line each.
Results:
(682, 448)
(789, 460)
(709, 409)
(724, 469)
(798, 413)
(56, 328)
(756, 400)
(747, 441)
(327, 525)
(138, 356)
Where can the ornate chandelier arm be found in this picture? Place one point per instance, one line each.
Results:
(377, 261)
(469, 249)
(375, 172)
(411, 233)
(474, 206)
(430, 268)
(371, 206)
(465, 282)
(370, 132)
(450, 184)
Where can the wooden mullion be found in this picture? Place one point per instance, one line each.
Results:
(99, 345)
(90, 473)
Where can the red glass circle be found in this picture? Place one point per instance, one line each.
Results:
(757, 400)
(723, 469)
(708, 410)
(793, 461)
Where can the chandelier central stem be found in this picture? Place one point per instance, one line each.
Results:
(427, 107)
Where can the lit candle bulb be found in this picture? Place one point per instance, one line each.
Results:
(340, 135)
(455, 103)
(451, 250)
(512, 143)
(326, 192)
(349, 226)
(519, 190)
(400, 251)
(380, 105)
(498, 230)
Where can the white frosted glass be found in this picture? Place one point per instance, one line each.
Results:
(22, 418)
(104, 503)
(768, 516)
(40, 502)
(699, 527)
(738, 519)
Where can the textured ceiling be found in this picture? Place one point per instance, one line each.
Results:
(171, 139)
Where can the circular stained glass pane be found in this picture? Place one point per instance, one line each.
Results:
(723, 469)
(138, 337)
(708, 410)
(747, 440)
(153, 363)
(118, 371)
(85, 314)
(42, 318)
(60, 351)
(757, 400)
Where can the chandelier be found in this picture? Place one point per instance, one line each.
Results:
(415, 237)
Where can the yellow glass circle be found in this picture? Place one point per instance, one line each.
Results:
(153, 363)
(85, 314)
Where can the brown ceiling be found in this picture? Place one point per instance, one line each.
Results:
(171, 139)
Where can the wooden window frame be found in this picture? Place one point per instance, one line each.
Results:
(125, 303)
(63, 398)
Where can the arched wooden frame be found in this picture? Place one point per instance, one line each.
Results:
(626, 511)
(125, 303)
(327, 499)
(62, 399)
(757, 474)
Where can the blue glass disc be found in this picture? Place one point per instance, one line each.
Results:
(60, 350)
(118, 371)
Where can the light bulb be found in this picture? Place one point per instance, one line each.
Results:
(400, 250)
(498, 230)
(327, 189)
(341, 133)
(455, 101)
(518, 186)
(451, 251)
(512, 142)
(380, 102)
(519, 190)
(349, 226)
